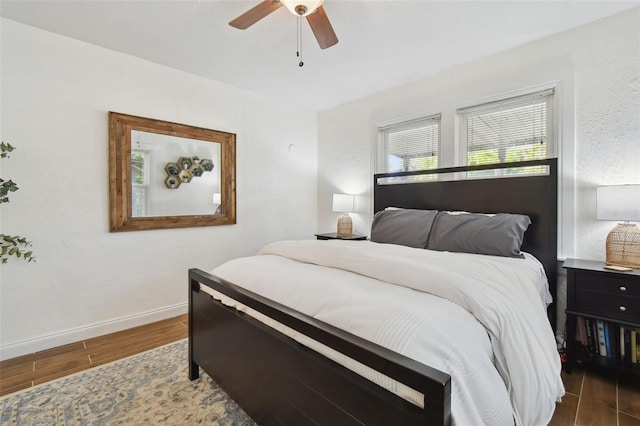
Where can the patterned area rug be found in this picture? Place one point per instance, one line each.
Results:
(146, 389)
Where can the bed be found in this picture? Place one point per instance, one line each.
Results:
(302, 365)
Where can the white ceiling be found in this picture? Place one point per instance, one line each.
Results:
(382, 43)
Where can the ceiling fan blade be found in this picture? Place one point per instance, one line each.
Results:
(322, 28)
(255, 14)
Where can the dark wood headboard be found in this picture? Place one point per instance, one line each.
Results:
(535, 195)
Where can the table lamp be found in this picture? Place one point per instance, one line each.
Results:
(621, 202)
(217, 199)
(343, 203)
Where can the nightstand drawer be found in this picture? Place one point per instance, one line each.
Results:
(627, 308)
(603, 283)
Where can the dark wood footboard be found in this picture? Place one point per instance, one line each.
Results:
(277, 380)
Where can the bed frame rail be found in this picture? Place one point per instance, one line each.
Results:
(277, 380)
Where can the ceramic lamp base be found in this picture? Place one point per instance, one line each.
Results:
(623, 246)
(345, 226)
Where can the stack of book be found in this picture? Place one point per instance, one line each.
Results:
(608, 339)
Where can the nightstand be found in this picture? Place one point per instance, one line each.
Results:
(334, 236)
(604, 306)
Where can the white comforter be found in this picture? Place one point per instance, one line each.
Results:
(400, 298)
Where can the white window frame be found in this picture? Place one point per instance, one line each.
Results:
(462, 115)
(381, 151)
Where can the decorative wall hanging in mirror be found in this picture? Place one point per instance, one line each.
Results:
(185, 169)
(149, 156)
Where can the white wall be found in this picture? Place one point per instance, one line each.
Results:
(55, 95)
(596, 69)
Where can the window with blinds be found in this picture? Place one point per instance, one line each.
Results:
(139, 182)
(409, 146)
(515, 129)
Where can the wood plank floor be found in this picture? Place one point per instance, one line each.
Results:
(598, 398)
(33, 369)
(593, 398)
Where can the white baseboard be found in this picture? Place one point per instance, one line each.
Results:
(53, 340)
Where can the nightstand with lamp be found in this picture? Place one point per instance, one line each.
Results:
(343, 203)
(603, 298)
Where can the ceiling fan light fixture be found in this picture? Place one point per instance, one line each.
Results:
(302, 7)
(311, 10)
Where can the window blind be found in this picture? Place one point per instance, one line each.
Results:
(515, 129)
(411, 145)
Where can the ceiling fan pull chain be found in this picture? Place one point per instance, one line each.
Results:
(299, 39)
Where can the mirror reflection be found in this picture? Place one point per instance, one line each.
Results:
(173, 176)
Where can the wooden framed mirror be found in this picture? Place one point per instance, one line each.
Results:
(168, 175)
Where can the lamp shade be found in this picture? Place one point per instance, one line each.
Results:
(343, 203)
(618, 202)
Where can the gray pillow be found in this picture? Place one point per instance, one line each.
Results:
(407, 227)
(497, 235)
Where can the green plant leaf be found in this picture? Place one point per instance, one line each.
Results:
(11, 245)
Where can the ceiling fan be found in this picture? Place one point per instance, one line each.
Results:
(311, 9)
